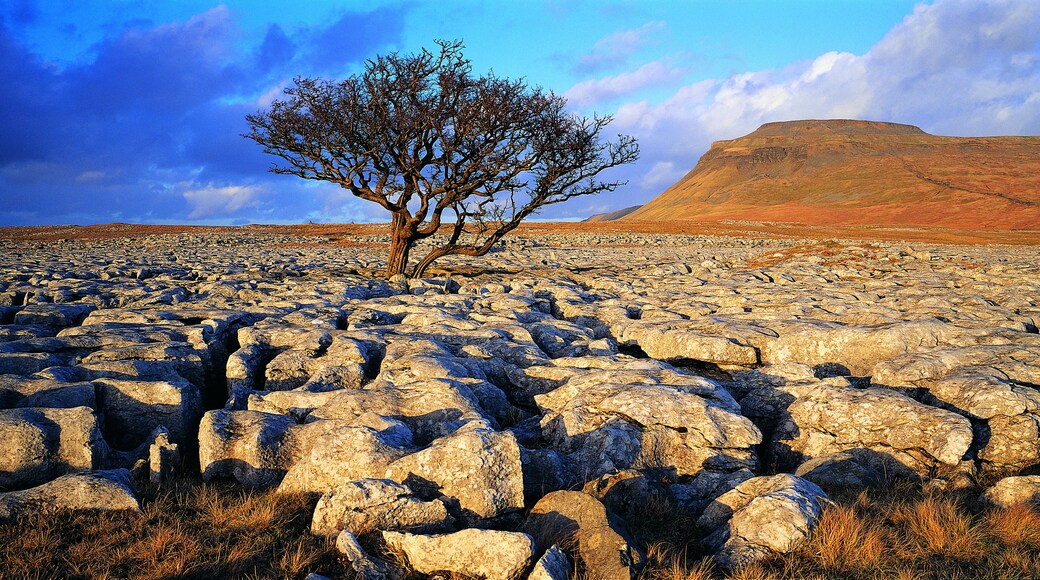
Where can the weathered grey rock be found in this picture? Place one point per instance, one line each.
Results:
(366, 567)
(606, 426)
(839, 470)
(1014, 490)
(431, 408)
(377, 504)
(16, 391)
(858, 348)
(331, 452)
(553, 565)
(489, 554)
(813, 418)
(623, 493)
(707, 485)
(133, 409)
(603, 545)
(40, 444)
(678, 340)
(249, 446)
(164, 457)
(89, 490)
(477, 469)
(55, 315)
(761, 517)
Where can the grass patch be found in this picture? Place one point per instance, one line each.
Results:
(186, 529)
(190, 529)
(894, 532)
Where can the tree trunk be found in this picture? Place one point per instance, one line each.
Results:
(423, 264)
(401, 240)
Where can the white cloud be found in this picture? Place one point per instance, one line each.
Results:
(955, 67)
(651, 74)
(662, 174)
(212, 201)
(613, 49)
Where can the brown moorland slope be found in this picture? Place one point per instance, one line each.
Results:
(845, 172)
(354, 234)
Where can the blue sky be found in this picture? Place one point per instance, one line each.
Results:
(131, 110)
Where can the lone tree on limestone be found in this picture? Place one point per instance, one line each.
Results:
(439, 148)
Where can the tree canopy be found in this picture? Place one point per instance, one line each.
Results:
(439, 148)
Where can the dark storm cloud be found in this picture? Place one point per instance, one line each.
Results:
(150, 129)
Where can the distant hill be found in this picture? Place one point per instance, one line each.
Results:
(611, 216)
(862, 173)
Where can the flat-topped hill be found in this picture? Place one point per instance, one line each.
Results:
(827, 172)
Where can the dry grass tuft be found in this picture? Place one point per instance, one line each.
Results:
(1016, 526)
(186, 529)
(938, 527)
(846, 541)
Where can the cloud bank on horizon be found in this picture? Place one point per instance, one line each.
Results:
(134, 115)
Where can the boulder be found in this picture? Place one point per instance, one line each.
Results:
(54, 315)
(761, 517)
(602, 427)
(857, 348)
(489, 554)
(332, 452)
(477, 469)
(1014, 490)
(694, 496)
(431, 408)
(16, 391)
(89, 490)
(40, 444)
(365, 566)
(679, 340)
(807, 419)
(603, 546)
(553, 565)
(248, 446)
(839, 470)
(377, 504)
(133, 409)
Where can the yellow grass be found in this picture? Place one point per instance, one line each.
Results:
(186, 530)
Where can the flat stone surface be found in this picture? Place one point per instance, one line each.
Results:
(554, 360)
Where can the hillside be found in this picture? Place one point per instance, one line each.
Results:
(859, 173)
(613, 215)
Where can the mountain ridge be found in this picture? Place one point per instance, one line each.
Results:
(846, 171)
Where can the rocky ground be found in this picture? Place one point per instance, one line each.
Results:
(527, 405)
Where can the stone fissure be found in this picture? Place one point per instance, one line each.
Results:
(686, 368)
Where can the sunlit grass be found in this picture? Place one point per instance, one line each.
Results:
(187, 529)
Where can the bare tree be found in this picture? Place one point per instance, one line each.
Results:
(439, 148)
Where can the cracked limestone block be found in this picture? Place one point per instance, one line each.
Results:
(431, 408)
(478, 471)
(680, 340)
(54, 315)
(331, 452)
(489, 554)
(761, 517)
(1014, 490)
(963, 380)
(604, 546)
(132, 410)
(813, 418)
(364, 505)
(609, 426)
(856, 347)
(88, 490)
(42, 443)
(249, 446)
(16, 391)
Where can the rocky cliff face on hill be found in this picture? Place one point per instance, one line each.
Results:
(859, 172)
